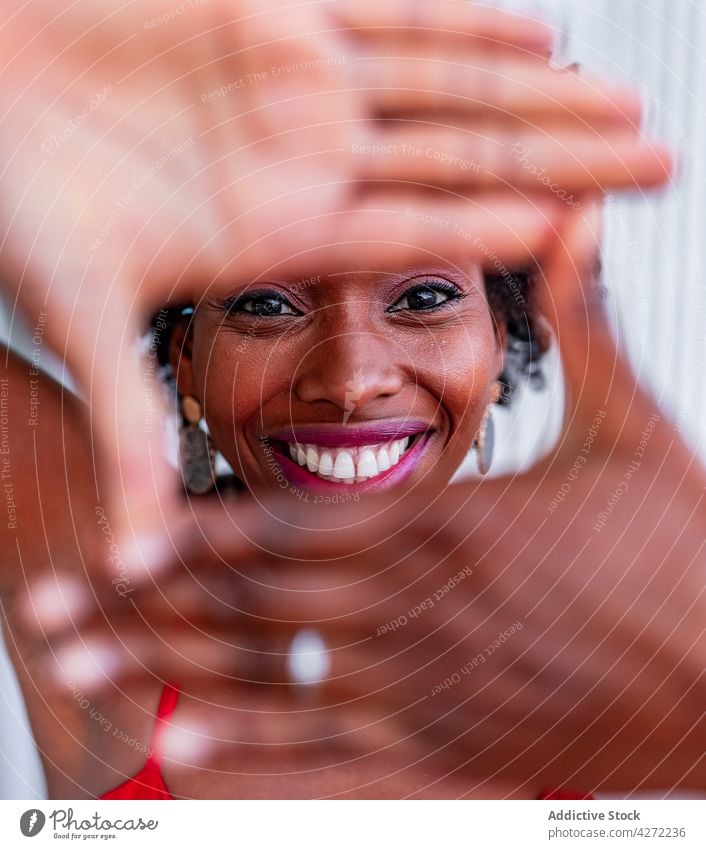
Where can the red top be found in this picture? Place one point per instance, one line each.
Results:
(148, 782)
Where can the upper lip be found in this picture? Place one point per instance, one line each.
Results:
(340, 436)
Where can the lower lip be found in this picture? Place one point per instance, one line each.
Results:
(301, 477)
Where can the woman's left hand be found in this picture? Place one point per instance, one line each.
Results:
(544, 628)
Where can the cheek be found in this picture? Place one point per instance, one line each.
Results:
(234, 379)
(461, 367)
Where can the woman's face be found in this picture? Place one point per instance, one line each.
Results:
(344, 384)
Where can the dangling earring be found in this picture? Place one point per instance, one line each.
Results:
(485, 438)
(196, 451)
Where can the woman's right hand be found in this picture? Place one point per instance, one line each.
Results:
(154, 152)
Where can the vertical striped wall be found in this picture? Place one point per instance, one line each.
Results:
(655, 245)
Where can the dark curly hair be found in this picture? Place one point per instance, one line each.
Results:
(512, 297)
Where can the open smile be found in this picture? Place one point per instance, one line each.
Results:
(360, 456)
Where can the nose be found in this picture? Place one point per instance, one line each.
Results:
(349, 370)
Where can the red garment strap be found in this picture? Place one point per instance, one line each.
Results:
(561, 793)
(166, 707)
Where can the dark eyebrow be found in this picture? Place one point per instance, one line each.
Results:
(412, 270)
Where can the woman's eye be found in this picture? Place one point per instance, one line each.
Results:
(424, 297)
(261, 305)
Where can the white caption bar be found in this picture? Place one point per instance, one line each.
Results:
(358, 825)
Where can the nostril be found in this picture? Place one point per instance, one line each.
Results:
(347, 390)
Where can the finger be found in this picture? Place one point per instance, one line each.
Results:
(571, 296)
(105, 656)
(395, 674)
(563, 163)
(137, 489)
(53, 604)
(480, 228)
(143, 639)
(603, 393)
(203, 598)
(253, 537)
(343, 598)
(345, 603)
(523, 90)
(572, 301)
(266, 602)
(264, 724)
(493, 27)
(483, 229)
(260, 602)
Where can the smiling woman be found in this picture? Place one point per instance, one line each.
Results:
(352, 383)
(483, 640)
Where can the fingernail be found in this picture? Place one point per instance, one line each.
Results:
(308, 661)
(88, 664)
(146, 554)
(56, 602)
(186, 743)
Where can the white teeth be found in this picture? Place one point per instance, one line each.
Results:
(367, 464)
(312, 458)
(326, 464)
(344, 467)
(384, 460)
(349, 465)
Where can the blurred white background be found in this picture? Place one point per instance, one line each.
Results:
(655, 251)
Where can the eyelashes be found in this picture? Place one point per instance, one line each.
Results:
(264, 304)
(425, 295)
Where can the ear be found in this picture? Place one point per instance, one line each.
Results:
(180, 355)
